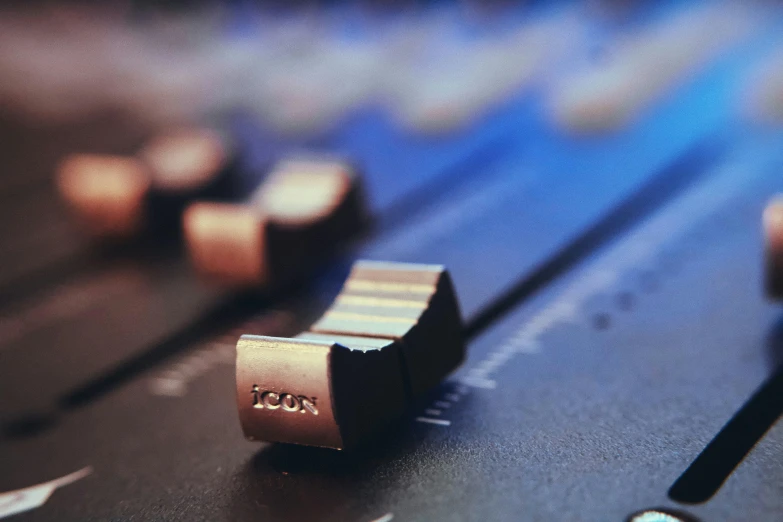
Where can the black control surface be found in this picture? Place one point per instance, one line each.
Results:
(622, 356)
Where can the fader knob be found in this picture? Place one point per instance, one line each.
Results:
(302, 212)
(773, 239)
(105, 193)
(393, 332)
(120, 196)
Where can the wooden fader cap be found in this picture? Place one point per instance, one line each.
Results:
(119, 196)
(773, 239)
(303, 210)
(392, 333)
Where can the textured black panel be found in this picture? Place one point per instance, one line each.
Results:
(622, 355)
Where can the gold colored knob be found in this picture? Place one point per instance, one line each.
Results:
(107, 194)
(773, 239)
(116, 196)
(393, 332)
(185, 159)
(299, 215)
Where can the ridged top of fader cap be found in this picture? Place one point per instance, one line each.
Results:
(393, 333)
(304, 190)
(106, 193)
(229, 242)
(186, 158)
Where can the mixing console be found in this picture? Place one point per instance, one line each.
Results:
(592, 176)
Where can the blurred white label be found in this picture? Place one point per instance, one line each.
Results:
(13, 502)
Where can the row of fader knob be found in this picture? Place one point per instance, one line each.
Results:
(302, 211)
(392, 333)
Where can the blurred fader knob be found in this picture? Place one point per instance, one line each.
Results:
(186, 159)
(106, 193)
(773, 238)
(393, 332)
(120, 196)
(299, 215)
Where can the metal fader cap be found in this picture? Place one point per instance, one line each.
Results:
(106, 193)
(301, 213)
(121, 196)
(392, 333)
(773, 239)
(186, 159)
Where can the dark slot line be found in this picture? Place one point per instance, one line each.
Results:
(685, 170)
(418, 200)
(93, 258)
(207, 326)
(203, 328)
(440, 188)
(89, 258)
(39, 281)
(705, 476)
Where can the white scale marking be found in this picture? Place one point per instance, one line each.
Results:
(453, 397)
(221, 351)
(439, 422)
(174, 381)
(20, 500)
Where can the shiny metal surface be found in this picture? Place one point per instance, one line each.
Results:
(105, 193)
(117, 196)
(773, 245)
(393, 332)
(304, 210)
(186, 158)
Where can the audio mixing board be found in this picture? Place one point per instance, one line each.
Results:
(591, 174)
